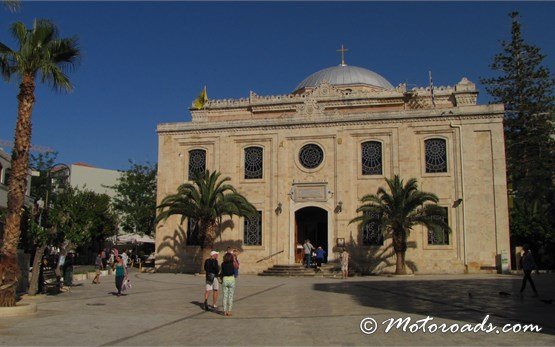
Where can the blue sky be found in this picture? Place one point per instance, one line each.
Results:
(144, 62)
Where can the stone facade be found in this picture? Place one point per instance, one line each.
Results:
(339, 119)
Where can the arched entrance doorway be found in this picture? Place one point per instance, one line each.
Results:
(311, 223)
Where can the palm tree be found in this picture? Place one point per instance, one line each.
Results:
(41, 54)
(205, 201)
(12, 5)
(397, 213)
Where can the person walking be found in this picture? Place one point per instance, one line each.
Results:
(98, 267)
(236, 263)
(68, 269)
(308, 248)
(228, 282)
(212, 269)
(527, 264)
(104, 255)
(121, 273)
(345, 263)
(320, 254)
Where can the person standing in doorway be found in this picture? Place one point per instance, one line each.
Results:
(228, 282)
(121, 273)
(320, 254)
(345, 263)
(307, 248)
(212, 269)
(527, 264)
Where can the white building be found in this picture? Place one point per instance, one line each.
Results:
(5, 169)
(85, 176)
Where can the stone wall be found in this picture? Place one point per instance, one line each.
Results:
(476, 174)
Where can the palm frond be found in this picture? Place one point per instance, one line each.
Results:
(206, 200)
(12, 5)
(41, 53)
(19, 32)
(401, 207)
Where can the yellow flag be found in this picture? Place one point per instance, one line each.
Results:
(201, 100)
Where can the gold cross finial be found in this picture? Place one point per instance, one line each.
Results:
(343, 50)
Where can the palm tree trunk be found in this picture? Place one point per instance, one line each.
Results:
(9, 269)
(400, 247)
(209, 229)
(400, 268)
(34, 285)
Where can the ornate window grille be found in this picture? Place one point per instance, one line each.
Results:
(193, 238)
(371, 233)
(311, 156)
(197, 163)
(439, 237)
(254, 158)
(253, 230)
(371, 158)
(436, 155)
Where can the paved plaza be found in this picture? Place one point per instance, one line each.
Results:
(165, 309)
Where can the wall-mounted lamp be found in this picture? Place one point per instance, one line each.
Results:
(457, 202)
(339, 207)
(278, 209)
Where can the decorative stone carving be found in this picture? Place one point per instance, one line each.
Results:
(465, 86)
(466, 99)
(310, 108)
(327, 100)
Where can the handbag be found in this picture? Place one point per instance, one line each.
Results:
(126, 285)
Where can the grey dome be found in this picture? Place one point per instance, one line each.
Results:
(344, 75)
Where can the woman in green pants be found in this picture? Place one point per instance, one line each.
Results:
(228, 282)
(121, 272)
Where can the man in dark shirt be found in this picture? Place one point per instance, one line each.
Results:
(212, 269)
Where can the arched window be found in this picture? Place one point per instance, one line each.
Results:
(254, 162)
(253, 230)
(436, 155)
(197, 163)
(439, 237)
(371, 233)
(371, 156)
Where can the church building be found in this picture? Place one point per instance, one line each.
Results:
(306, 158)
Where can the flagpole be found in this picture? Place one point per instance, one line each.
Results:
(432, 88)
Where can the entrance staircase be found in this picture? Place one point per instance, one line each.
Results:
(298, 270)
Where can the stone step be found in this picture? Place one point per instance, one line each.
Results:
(289, 270)
(287, 274)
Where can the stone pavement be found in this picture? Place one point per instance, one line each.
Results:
(164, 309)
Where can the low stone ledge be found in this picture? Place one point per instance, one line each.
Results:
(32, 297)
(20, 309)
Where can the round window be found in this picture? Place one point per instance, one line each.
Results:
(311, 156)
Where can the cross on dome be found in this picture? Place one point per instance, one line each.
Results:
(343, 50)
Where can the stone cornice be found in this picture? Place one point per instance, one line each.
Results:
(492, 111)
(327, 98)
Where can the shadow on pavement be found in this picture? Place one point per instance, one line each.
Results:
(462, 300)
